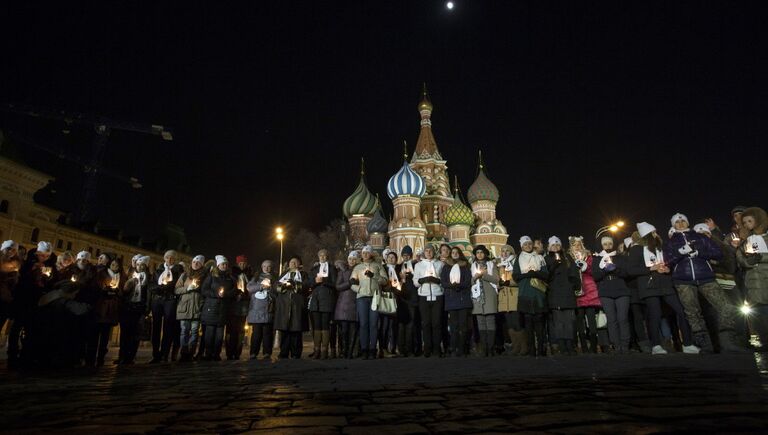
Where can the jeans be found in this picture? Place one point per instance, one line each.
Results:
(714, 294)
(654, 318)
(163, 323)
(261, 333)
(617, 315)
(369, 324)
(457, 323)
(431, 324)
(189, 332)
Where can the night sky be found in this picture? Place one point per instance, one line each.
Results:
(585, 111)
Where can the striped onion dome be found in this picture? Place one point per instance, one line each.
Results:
(482, 189)
(362, 201)
(406, 182)
(458, 213)
(378, 224)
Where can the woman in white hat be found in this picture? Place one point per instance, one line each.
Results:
(189, 306)
(563, 283)
(345, 314)
(261, 312)
(135, 306)
(610, 271)
(367, 278)
(529, 270)
(218, 290)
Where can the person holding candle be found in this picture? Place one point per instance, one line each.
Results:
(426, 276)
(165, 328)
(291, 309)
(654, 281)
(610, 272)
(367, 278)
(688, 254)
(407, 304)
(10, 265)
(261, 311)
(218, 289)
(189, 307)
(109, 280)
(563, 284)
(529, 270)
(456, 279)
(753, 257)
(238, 309)
(88, 291)
(387, 335)
(345, 313)
(322, 301)
(136, 305)
(508, 295)
(588, 299)
(484, 293)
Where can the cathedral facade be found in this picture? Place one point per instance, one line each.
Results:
(426, 210)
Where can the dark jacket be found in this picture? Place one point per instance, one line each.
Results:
(457, 296)
(648, 283)
(563, 282)
(32, 285)
(215, 306)
(238, 308)
(688, 269)
(262, 305)
(611, 284)
(291, 304)
(530, 300)
(108, 300)
(323, 294)
(129, 290)
(346, 308)
(409, 293)
(165, 291)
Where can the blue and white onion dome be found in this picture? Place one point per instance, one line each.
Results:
(406, 182)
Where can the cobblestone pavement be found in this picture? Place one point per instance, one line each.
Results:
(592, 393)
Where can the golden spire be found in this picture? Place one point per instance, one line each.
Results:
(405, 150)
(362, 166)
(424, 103)
(480, 159)
(456, 184)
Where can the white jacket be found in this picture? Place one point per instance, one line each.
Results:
(429, 290)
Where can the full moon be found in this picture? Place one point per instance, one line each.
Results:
(449, 5)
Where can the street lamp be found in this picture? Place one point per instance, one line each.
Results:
(614, 227)
(280, 236)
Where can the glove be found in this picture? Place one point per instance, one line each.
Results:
(423, 280)
(753, 259)
(610, 267)
(354, 281)
(369, 274)
(685, 250)
(435, 280)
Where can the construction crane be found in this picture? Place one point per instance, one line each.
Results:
(102, 127)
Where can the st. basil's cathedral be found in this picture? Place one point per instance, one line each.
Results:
(425, 209)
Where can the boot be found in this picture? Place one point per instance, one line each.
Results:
(325, 337)
(174, 352)
(521, 342)
(316, 338)
(645, 346)
(702, 341)
(728, 344)
(489, 339)
(593, 343)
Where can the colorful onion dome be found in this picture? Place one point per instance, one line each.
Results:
(378, 224)
(362, 201)
(406, 182)
(482, 188)
(458, 213)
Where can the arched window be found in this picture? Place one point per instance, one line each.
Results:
(35, 235)
(4, 206)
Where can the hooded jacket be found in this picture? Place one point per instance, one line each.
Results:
(692, 268)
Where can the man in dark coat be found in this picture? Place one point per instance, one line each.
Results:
(165, 328)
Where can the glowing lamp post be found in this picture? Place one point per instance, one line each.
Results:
(614, 227)
(280, 236)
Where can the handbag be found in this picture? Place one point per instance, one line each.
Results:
(602, 320)
(145, 328)
(539, 284)
(384, 302)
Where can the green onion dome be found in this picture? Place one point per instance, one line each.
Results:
(458, 213)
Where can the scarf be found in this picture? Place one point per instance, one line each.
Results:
(506, 263)
(407, 267)
(651, 258)
(323, 271)
(166, 276)
(393, 278)
(605, 258)
(115, 278)
(477, 289)
(141, 281)
(756, 244)
(287, 277)
(455, 275)
(530, 262)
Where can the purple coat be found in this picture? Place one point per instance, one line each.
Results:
(346, 308)
(687, 269)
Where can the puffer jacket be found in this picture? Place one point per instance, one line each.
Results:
(611, 284)
(262, 307)
(687, 269)
(591, 297)
(323, 294)
(345, 304)
(563, 282)
(422, 280)
(756, 275)
(190, 303)
(457, 296)
(215, 305)
(367, 286)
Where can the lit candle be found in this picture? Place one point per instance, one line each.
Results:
(115, 281)
(194, 283)
(73, 279)
(266, 282)
(46, 271)
(557, 256)
(221, 292)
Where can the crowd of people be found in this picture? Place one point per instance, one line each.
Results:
(691, 289)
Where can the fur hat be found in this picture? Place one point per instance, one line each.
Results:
(761, 219)
(679, 217)
(9, 244)
(406, 250)
(220, 259)
(644, 228)
(44, 247)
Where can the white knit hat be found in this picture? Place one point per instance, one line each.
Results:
(367, 248)
(83, 255)
(220, 259)
(644, 228)
(9, 244)
(554, 240)
(200, 258)
(679, 217)
(524, 239)
(44, 247)
(702, 228)
(143, 259)
(353, 254)
(628, 242)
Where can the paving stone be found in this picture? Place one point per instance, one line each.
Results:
(319, 410)
(320, 430)
(473, 425)
(402, 407)
(386, 429)
(278, 422)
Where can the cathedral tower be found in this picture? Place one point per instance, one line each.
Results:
(358, 209)
(483, 197)
(405, 189)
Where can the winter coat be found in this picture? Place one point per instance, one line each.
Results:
(107, 307)
(756, 275)
(31, 286)
(9, 277)
(142, 302)
(409, 294)
(215, 306)
(190, 304)
(530, 299)
(165, 291)
(508, 290)
(563, 282)
(590, 298)
(428, 286)
(87, 284)
(366, 286)
(323, 295)
(238, 308)
(648, 283)
(611, 284)
(687, 269)
(457, 296)
(291, 305)
(488, 301)
(726, 268)
(262, 307)
(346, 309)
